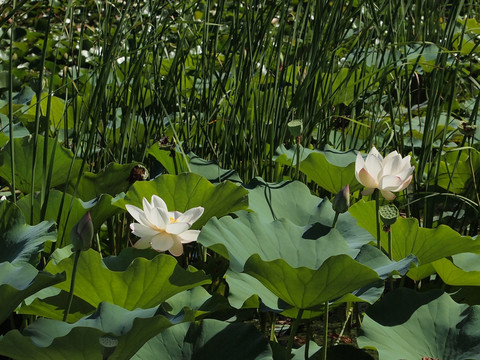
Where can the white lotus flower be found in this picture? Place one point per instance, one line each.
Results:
(390, 174)
(162, 229)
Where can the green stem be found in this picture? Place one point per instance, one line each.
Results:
(297, 167)
(335, 219)
(325, 332)
(293, 331)
(72, 285)
(377, 207)
(389, 233)
(307, 341)
(272, 327)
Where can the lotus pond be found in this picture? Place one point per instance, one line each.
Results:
(239, 179)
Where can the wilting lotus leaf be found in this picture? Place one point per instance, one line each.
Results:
(461, 270)
(329, 168)
(52, 339)
(208, 339)
(427, 245)
(112, 180)
(19, 282)
(429, 325)
(292, 200)
(185, 191)
(23, 148)
(21, 243)
(144, 284)
(237, 239)
(59, 204)
(305, 288)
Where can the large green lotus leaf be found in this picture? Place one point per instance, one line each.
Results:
(112, 180)
(208, 339)
(145, 283)
(289, 156)
(427, 245)
(329, 168)
(462, 270)
(173, 164)
(246, 292)
(292, 200)
(50, 303)
(188, 190)
(421, 325)
(23, 148)
(197, 299)
(21, 243)
(305, 288)
(18, 283)
(211, 171)
(237, 239)
(52, 339)
(100, 209)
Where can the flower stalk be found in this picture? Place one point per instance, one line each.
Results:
(293, 332)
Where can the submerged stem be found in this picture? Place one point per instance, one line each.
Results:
(72, 285)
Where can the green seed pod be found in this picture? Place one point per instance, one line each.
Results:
(295, 127)
(108, 345)
(388, 214)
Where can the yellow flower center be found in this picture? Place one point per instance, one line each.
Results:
(172, 220)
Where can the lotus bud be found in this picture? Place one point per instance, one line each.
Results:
(82, 234)
(295, 127)
(341, 201)
(388, 214)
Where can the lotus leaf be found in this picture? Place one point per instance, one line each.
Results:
(21, 243)
(209, 339)
(145, 283)
(61, 157)
(19, 282)
(52, 339)
(185, 191)
(429, 325)
(427, 245)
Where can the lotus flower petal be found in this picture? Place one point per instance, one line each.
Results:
(390, 174)
(163, 230)
(162, 241)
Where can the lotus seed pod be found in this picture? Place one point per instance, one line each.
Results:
(388, 214)
(295, 127)
(108, 345)
(82, 234)
(341, 201)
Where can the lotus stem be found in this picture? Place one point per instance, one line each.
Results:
(72, 285)
(377, 208)
(297, 167)
(293, 331)
(272, 327)
(307, 341)
(325, 332)
(335, 219)
(389, 233)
